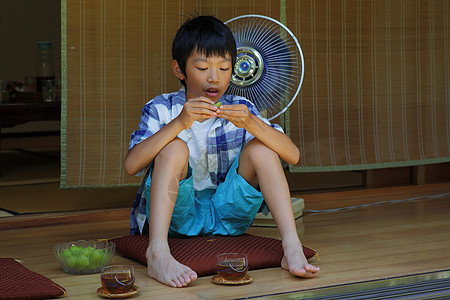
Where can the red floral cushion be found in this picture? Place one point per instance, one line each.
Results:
(200, 253)
(18, 282)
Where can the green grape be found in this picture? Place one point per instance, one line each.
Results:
(92, 266)
(88, 251)
(72, 261)
(83, 258)
(97, 256)
(218, 104)
(66, 253)
(74, 248)
(83, 261)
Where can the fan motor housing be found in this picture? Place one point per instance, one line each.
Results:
(248, 68)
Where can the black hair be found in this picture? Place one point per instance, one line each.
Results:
(205, 34)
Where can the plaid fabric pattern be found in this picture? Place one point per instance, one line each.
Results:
(224, 143)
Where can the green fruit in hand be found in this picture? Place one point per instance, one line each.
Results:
(218, 104)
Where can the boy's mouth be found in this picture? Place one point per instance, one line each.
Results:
(212, 92)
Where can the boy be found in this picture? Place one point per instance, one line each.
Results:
(209, 169)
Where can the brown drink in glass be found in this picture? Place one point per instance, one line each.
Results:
(232, 266)
(117, 279)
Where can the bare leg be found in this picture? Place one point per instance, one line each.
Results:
(171, 165)
(260, 165)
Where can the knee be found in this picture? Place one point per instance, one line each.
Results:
(256, 152)
(254, 156)
(175, 153)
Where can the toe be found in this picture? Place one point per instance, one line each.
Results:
(183, 281)
(310, 271)
(172, 283)
(175, 282)
(311, 268)
(186, 278)
(305, 271)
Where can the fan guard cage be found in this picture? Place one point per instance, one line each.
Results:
(269, 66)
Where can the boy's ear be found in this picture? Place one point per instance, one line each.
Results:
(177, 71)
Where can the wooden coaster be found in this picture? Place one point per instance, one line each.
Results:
(219, 280)
(104, 293)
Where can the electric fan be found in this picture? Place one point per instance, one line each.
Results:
(269, 65)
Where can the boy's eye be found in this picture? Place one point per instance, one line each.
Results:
(201, 69)
(224, 69)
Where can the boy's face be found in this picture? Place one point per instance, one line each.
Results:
(207, 76)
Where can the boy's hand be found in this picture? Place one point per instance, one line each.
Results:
(197, 109)
(238, 114)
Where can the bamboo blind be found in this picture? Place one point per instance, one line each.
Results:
(116, 57)
(375, 91)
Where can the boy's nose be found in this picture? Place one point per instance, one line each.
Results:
(213, 78)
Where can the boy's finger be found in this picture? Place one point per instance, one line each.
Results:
(202, 105)
(201, 99)
(234, 107)
(231, 112)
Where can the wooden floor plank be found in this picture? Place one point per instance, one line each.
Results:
(374, 242)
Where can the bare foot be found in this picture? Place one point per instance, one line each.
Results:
(163, 267)
(295, 262)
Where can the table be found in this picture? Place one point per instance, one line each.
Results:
(12, 114)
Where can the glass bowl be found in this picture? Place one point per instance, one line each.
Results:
(84, 257)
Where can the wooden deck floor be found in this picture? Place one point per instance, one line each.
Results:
(366, 243)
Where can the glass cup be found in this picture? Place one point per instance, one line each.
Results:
(232, 266)
(117, 279)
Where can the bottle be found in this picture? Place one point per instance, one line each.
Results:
(4, 94)
(45, 75)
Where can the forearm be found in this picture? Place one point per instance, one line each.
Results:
(143, 153)
(274, 139)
